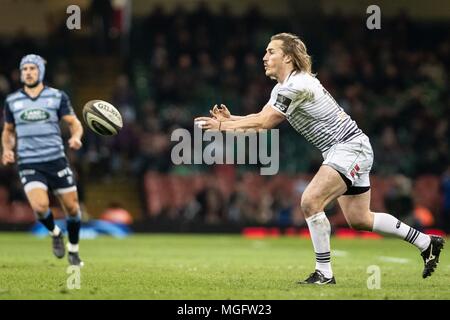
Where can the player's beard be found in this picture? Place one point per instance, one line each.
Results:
(32, 85)
(268, 74)
(271, 75)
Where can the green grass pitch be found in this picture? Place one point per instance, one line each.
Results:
(184, 267)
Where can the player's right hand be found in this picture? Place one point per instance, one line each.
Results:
(220, 113)
(8, 157)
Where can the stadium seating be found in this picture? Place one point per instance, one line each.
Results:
(164, 192)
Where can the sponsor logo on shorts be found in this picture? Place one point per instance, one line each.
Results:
(64, 172)
(398, 224)
(27, 172)
(354, 171)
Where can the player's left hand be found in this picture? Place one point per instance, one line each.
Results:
(220, 113)
(75, 143)
(207, 123)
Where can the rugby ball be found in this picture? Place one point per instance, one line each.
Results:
(102, 117)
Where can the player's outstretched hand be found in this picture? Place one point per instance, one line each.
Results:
(207, 123)
(8, 157)
(75, 143)
(220, 113)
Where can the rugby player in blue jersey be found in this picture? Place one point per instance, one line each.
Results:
(32, 117)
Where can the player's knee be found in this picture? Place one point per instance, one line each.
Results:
(310, 205)
(41, 208)
(73, 209)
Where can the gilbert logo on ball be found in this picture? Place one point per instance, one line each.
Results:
(102, 117)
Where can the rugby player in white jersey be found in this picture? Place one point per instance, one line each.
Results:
(299, 98)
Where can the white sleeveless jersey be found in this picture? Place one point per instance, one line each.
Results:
(312, 111)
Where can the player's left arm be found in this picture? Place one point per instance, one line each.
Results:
(67, 114)
(223, 114)
(268, 118)
(76, 131)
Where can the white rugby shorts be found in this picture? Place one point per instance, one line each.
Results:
(353, 159)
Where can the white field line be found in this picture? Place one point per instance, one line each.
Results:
(393, 259)
(339, 253)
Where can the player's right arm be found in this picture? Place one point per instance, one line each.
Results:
(8, 137)
(8, 143)
(223, 114)
(268, 118)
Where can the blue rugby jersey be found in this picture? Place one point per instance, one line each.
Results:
(36, 123)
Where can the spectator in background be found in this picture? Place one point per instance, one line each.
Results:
(212, 205)
(399, 199)
(117, 214)
(389, 152)
(102, 14)
(5, 88)
(446, 200)
(394, 84)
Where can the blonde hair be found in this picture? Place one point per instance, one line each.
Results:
(296, 49)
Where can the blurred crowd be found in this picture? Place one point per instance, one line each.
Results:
(394, 82)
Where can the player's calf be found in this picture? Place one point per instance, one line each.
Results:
(57, 235)
(46, 218)
(361, 224)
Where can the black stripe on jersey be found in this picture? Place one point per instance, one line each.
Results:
(321, 124)
(346, 126)
(320, 111)
(349, 127)
(322, 137)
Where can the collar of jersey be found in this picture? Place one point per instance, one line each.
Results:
(287, 79)
(35, 98)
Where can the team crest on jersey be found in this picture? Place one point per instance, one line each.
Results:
(282, 102)
(18, 105)
(50, 102)
(34, 115)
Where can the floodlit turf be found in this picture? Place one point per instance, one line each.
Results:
(214, 267)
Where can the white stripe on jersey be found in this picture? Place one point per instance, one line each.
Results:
(312, 111)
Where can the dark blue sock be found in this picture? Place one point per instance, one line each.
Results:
(47, 220)
(73, 228)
